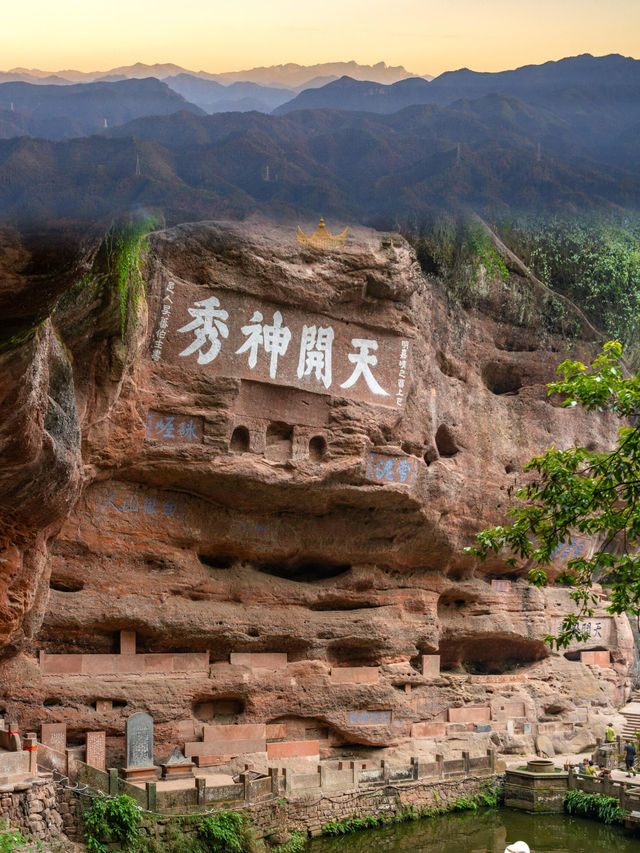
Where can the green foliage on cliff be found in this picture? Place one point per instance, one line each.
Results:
(124, 243)
(112, 820)
(226, 832)
(596, 806)
(594, 260)
(296, 844)
(596, 494)
(12, 839)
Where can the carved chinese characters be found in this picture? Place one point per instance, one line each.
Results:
(140, 740)
(174, 429)
(382, 468)
(235, 335)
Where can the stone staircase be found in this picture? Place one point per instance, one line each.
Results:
(631, 714)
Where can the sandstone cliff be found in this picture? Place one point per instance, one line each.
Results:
(287, 453)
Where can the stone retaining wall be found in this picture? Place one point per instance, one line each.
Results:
(307, 813)
(35, 810)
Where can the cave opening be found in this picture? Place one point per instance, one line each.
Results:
(501, 378)
(317, 448)
(240, 439)
(220, 709)
(454, 602)
(352, 651)
(489, 654)
(445, 442)
(216, 561)
(66, 584)
(306, 572)
(279, 441)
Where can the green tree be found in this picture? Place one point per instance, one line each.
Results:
(579, 490)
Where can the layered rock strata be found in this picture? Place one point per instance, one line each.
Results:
(287, 455)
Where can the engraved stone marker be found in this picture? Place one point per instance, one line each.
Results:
(140, 740)
(95, 750)
(54, 735)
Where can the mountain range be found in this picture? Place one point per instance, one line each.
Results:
(562, 136)
(288, 76)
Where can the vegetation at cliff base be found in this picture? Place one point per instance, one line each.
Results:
(12, 839)
(596, 806)
(583, 491)
(112, 820)
(487, 798)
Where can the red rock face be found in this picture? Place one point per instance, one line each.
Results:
(243, 496)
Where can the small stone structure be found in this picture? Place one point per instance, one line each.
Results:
(126, 663)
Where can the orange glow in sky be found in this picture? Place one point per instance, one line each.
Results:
(426, 36)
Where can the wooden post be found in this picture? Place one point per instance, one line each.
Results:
(491, 752)
(201, 788)
(274, 773)
(466, 761)
(244, 781)
(287, 777)
(113, 781)
(152, 796)
(440, 763)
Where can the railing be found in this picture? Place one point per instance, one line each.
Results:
(277, 783)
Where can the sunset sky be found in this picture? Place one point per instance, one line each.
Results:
(426, 36)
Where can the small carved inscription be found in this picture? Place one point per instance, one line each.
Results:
(165, 505)
(54, 735)
(500, 585)
(95, 750)
(382, 468)
(174, 429)
(370, 718)
(163, 321)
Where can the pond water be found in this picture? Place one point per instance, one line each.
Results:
(487, 831)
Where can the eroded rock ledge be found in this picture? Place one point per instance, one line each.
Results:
(236, 496)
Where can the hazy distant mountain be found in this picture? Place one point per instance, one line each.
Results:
(19, 77)
(215, 98)
(291, 75)
(59, 112)
(125, 72)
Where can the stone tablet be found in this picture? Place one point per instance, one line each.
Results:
(54, 735)
(236, 335)
(96, 750)
(140, 740)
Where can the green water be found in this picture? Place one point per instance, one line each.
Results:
(488, 831)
